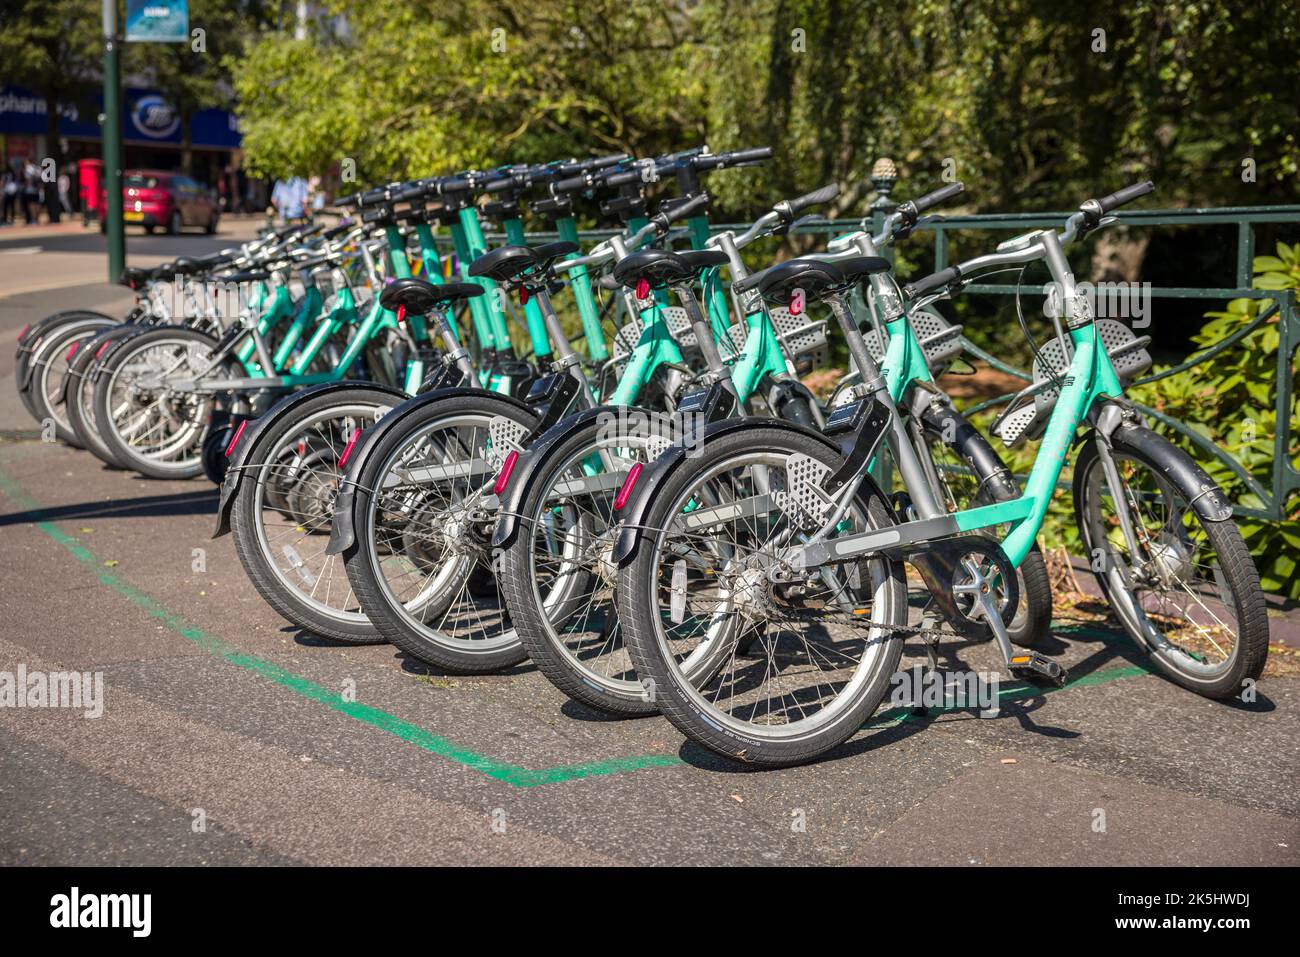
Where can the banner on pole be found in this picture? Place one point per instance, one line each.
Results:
(166, 21)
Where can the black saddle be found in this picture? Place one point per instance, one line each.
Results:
(134, 277)
(815, 277)
(662, 268)
(419, 297)
(511, 262)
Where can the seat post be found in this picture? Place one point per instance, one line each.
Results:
(704, 337)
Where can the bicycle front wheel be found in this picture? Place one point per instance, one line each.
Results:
(1189, 592)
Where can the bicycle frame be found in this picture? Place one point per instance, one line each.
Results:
(1090, 380)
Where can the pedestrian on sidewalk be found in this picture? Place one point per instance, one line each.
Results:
(290, 199)
(11, 189)
(31, 193)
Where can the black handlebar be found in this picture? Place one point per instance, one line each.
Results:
(937, 197)
(933, 281)
(673, 211)
(1126, 195)
(709, 161)
(817, 197)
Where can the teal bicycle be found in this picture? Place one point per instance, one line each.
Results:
(778, 533)
(284, 466)
(157, 392)
(430, 589)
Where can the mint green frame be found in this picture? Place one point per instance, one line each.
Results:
(1091, 378)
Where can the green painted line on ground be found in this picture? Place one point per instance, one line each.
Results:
(511, 774)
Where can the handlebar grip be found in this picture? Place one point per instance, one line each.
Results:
(409, 193)
(938, 196)
(603, 162)
(574, 184)
(675, 212)
(708, 161)
(751, 281)
(455, 184)
(816, 198)
(1126, 195)
(933, 281)
(756, 155)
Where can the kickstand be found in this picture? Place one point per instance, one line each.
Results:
(929, 633)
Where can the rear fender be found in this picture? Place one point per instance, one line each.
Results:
(259, 427)
(535, 461)
(343, 534)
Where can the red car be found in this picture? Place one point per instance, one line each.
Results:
(154, 198)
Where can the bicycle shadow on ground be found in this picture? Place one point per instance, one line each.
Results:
(153, 506)
(422, 669)
(1019, 701)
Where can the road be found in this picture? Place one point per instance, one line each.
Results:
(228, 738)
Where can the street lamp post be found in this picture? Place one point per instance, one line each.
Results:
(112, 140)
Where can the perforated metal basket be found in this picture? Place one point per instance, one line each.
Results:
(1026, 420)
(940, 340)
(801, 338)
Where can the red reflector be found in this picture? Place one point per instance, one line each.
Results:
(401, 313)
(347, 449)
(503, 477)
(100, 351)
(72, 351)
(796, 302)
(235, 440)
(643, 288)
(629, 483)
(523, 295)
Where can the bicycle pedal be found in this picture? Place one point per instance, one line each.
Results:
(1038, 670)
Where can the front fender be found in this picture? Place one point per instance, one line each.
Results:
(531, 464)
(342, 533)
(1211, 504)
(258, 427)
(633, 516)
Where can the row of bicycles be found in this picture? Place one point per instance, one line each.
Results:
(604, 458)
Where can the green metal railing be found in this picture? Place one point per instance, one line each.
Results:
(1284, 479)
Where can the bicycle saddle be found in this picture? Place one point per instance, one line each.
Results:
(134, 277)
(661, 267)
(419, 297)
(511, 262)
(815, 277)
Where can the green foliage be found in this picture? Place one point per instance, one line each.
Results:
(1008, 95)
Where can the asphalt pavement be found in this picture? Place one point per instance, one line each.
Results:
(229, 738)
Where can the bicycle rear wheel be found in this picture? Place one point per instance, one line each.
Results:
(283, 510)
(802, 660)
